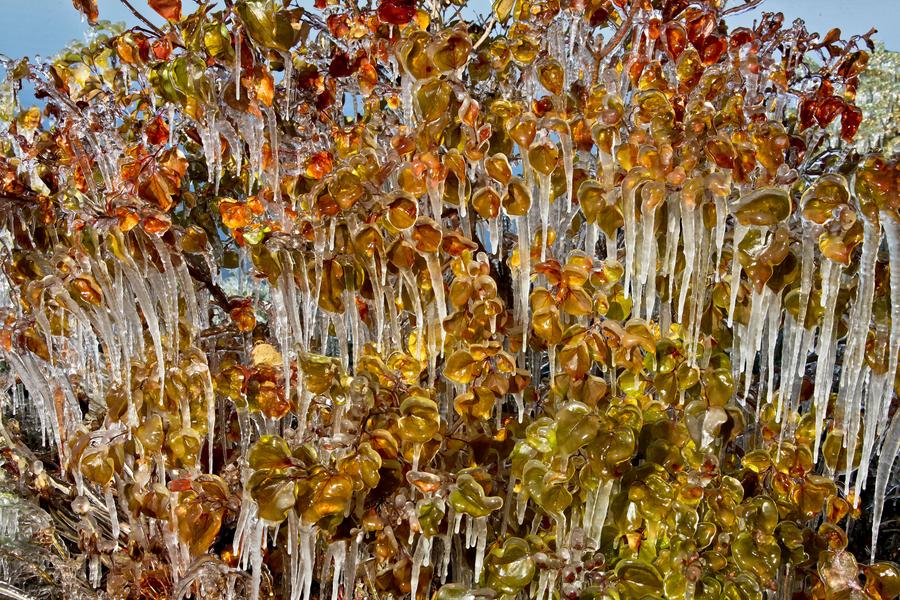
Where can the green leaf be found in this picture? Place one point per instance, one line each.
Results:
(469, 498)
(270, 452)
(275, 494)
(576, 426)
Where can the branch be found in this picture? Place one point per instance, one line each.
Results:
(141, 17)
(617, 39)
(205, 277)
(487, 30)
(747, 5)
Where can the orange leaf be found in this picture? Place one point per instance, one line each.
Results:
(88, 8)
(234, 214)
(157, 131)
(169, 9)
(265, 88)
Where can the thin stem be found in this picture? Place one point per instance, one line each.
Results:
(743, 7)
(487, 31)
(617, 39)
(146, 21)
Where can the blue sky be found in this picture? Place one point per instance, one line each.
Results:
(30, 27)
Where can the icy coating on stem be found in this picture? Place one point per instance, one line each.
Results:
(583, 299)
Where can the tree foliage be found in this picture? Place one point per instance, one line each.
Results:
(588, 299)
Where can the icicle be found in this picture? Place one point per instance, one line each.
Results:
(272, 122)
(889, 450)
(739, 232)
(568, 169)
(874, 390)
(689, 237)
(628, 193)
(94, 574)
(524, 281)
(860, 316)
(721, 215)
(235, 148)
(447, 542)
(544, 204)
(854, 370)
(307, 560)
(480, 544)
(406, 98)
(352, 563)
(148, 310)
(172, 128)
(892, 233)
(113, 513)
(750, 339)
(797, 350)
(772, 333)
(698, 288)
(546, 583)
(255, 551)
(337, 552)
(673, 231)
(826, 349)
(420, 559)
(288, 59)
(595, 517)
(647, 265)
(237, 64)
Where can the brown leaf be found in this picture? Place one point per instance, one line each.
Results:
(832, 36)
(169, 9)
(88, 8)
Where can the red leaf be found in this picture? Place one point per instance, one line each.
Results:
(850, 122)
(169, 9)
(162, 48)
(157, 131)
(827, 110)
(88, 8)
(342, 65)
(179, 485)
(807, 112)
(397, 12)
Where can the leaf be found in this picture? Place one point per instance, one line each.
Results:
(235, 214)
(197, 527)
(397, 12)
(157, 131)
(363, 467)
(832, 36)
(469, 498)
(430, 514)
(169, 9)
(503, 8)
(275, 494)
(266, 355)
(477, 403)
(97, 466)
(461, 367)
(332, 497)
(271, 28)
(270, 452)
(420, 421)
(88, 8)
(511, 566)
(576, 427)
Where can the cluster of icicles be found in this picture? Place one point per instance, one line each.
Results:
(144, 307)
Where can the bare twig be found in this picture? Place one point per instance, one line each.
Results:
(488, 27)
(146, 21)
(734, 10)
(205, 277)
(621, 32)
